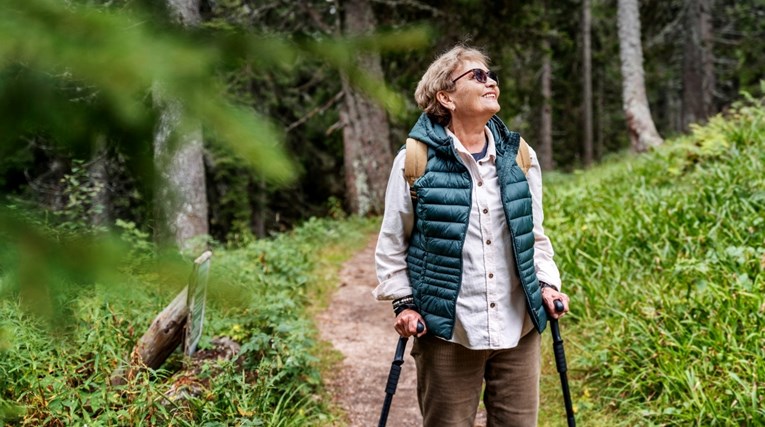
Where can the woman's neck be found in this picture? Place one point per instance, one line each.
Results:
(471, 135)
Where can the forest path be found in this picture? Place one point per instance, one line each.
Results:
(362, 330)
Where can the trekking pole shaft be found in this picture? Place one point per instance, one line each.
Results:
(560, 364)
(392, 384)
(394, 374)
(385, 410)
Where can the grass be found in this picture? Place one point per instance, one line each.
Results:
(663, 255)
(261, 295)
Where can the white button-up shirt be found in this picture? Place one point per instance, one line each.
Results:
(491, 307)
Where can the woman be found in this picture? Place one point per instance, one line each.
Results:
(466, 254)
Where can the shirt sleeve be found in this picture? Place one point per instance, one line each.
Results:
(393, 240)
(546, 269)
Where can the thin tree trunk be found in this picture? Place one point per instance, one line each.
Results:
(179, 158)
(545, 132)
(600, 114)
(642, 129)
(100, 211)
(366, 133)
(698, 63)
(587, 82)
(259, 206)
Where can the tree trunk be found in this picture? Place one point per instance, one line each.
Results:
(545, 133)
(179, 158)
(642, 129)
(587, 83)
(600, 113)
(100, 211)
(366, 134)
(698, 63)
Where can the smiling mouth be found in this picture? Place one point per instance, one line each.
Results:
(490, 95)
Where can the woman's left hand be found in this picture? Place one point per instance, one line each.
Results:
(549, 295)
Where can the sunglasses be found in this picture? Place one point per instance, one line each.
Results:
(479, 75)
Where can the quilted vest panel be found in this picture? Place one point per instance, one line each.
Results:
(442, 212)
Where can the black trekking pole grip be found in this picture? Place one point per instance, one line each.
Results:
(394, 374)
(560, 363)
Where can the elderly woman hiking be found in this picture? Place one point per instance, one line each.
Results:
(465, 253)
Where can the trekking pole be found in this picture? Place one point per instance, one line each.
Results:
(395, 372)
(560, 363)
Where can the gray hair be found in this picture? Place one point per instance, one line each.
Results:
(438, 77)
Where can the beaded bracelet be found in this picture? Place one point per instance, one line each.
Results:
(405, 303)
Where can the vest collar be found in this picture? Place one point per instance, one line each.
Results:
(435, 136)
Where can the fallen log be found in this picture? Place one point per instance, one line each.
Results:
(166, 332)
(163, 336)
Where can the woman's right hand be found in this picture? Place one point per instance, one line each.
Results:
(406, 324)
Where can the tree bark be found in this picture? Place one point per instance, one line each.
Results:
(100, 211)
(545, 133)
(587, 83)
(162, 338)
(179, 157)
(642, 129)
(698, 63)
(182, 194)
(600, 113)
(366, 133)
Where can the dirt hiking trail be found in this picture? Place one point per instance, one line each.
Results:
(362, 330)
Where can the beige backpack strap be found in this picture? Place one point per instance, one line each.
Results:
(414, 163)
(523, 158)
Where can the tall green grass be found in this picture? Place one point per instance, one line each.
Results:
(259, 294)
(663, 255)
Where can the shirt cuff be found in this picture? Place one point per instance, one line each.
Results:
(393, 288)
(543, 277)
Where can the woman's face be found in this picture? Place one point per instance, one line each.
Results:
(472, 98)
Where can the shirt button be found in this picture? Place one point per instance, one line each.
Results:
(491, 275)
(485, 211)
(488, 242)
(480, 183)
(492, 305)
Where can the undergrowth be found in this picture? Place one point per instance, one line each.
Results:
(663, 255)
(259, 295)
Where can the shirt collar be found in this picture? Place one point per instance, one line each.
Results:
(491, 152)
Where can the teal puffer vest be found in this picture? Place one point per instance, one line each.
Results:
(442, 212)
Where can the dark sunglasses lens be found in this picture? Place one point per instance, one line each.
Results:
(481, 76)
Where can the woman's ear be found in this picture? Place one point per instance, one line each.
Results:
(444, 99)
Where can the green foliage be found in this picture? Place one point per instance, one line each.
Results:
(258, 294)
(663, 256)
(55, 78)
(60, 40)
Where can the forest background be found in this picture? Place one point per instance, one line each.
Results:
(70, 150)
(235, 120)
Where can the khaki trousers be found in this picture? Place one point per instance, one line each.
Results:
(450, 377)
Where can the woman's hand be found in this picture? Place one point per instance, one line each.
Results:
(549, 295)
(406, 324)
